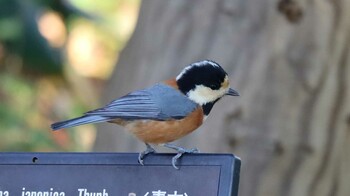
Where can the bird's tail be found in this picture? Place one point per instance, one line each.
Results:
(79, 121)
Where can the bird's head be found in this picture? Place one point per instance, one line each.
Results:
(204, 82)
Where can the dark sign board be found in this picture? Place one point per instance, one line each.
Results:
(117, 174)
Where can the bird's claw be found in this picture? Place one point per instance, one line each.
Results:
(175, 158)
(143, 154)
(194, 150)
(180, 152)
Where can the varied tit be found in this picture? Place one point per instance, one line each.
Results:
(166, 111)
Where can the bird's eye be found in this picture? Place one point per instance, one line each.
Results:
(214, 86)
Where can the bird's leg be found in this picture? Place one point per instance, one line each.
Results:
(180, 152)
(148, 150)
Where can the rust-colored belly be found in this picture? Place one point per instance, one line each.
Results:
(158, 132)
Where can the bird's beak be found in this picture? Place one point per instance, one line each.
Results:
(232, 92)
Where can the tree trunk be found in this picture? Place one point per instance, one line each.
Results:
(289, 60)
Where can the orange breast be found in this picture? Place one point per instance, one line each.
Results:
(158, 132)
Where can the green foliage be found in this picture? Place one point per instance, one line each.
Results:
(35, 87)
(17, 134)
(24, 123)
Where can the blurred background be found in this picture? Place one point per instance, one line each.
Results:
(289, 59)
(55, 57)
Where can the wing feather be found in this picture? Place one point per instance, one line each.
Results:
(136, 105)
(160, 102)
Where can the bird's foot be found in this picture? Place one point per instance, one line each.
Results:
(143, 154)
(180, 152)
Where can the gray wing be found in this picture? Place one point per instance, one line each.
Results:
(160, 102)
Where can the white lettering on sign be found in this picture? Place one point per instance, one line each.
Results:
(176, 194)
(84, 192)
(4, 193)
(163, 193)
(158, 193)
(51, 192)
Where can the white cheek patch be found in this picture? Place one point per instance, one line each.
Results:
(202, 94)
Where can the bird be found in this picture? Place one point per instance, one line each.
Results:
(167, 111)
